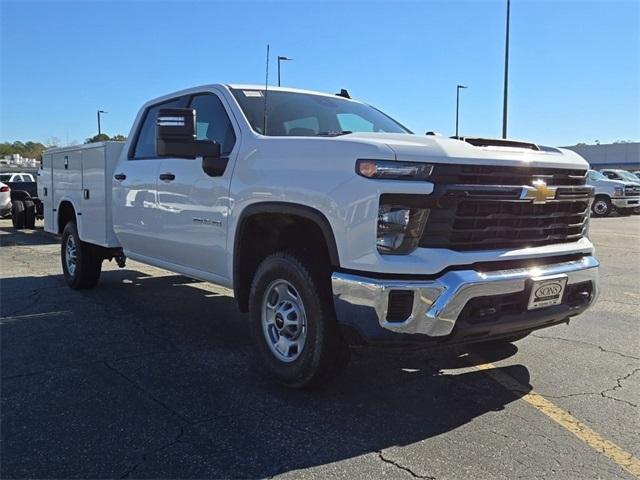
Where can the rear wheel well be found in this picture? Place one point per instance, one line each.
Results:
(262, 234)
(66, 214)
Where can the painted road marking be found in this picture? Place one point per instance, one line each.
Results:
(34, 315)
(609, 449)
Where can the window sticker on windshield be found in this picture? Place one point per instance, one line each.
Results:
(252, 93)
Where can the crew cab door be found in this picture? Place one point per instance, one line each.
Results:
(136, 221)
(193, 207)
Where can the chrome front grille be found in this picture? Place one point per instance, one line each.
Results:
(487, 215)
(632, 191)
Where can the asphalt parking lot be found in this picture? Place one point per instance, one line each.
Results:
(150, 375)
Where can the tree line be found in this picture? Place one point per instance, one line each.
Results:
(25, 149)
(34, 149)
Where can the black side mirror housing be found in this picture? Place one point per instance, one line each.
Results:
(176, 135)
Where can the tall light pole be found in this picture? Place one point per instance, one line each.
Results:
(281, 58)
(506, 74)
(99, 112)
(458, 105)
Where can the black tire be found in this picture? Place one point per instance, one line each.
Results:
(324, 353)
(29, 214)
(18, 216)
(601, 206)
(85, 271)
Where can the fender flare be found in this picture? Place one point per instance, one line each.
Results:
(286, 208)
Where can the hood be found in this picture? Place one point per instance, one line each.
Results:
(436, 149)
(616, 183)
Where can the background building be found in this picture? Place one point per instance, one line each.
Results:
(611, 155)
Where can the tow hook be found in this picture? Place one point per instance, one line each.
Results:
(121, 260)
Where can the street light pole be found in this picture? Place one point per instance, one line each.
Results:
(280, 58)
(458, 105)
(506, 74)
(99, 112)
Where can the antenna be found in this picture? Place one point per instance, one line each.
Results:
(266, 88)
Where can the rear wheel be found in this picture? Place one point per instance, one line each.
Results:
(81, 262)
(293, 324)
(18, 215)
(29, 214)
(601, 206)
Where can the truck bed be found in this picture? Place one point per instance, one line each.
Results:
(30, 187)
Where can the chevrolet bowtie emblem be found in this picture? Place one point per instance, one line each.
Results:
(539, 192)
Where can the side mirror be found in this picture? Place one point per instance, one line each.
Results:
(176, 135)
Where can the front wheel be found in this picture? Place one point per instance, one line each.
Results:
(601, 206)
(81, 262)
(293, 323)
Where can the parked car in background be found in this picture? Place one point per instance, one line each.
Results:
(637, 174)
(5, 200)
(619, 174)
(16, 177)
(622, 196)
(25, 207)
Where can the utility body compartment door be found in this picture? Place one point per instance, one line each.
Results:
(95, 200)
(45, 193)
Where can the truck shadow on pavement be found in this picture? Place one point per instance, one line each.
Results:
(153, 376)
(11, 237)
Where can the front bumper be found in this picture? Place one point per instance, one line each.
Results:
(363, 302)
(626, 202)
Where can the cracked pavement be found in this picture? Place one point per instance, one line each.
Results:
(151, 375)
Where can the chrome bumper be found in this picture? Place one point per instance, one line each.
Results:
(625, 202)
(438, 303)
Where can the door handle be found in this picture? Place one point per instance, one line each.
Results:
(119, 176)
(167, 177)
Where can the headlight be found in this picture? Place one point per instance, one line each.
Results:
(399, 227)
(392, 170)
(618, 192)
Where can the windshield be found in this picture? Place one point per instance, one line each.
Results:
(5, 177)
(308, 115)
(593, 175)
(627, 176)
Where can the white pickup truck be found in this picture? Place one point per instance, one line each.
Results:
(332, 223)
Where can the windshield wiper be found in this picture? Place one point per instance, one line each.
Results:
(333, 133)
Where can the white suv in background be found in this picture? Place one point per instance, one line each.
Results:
(5, 200)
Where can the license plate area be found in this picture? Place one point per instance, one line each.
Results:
(547, 291)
